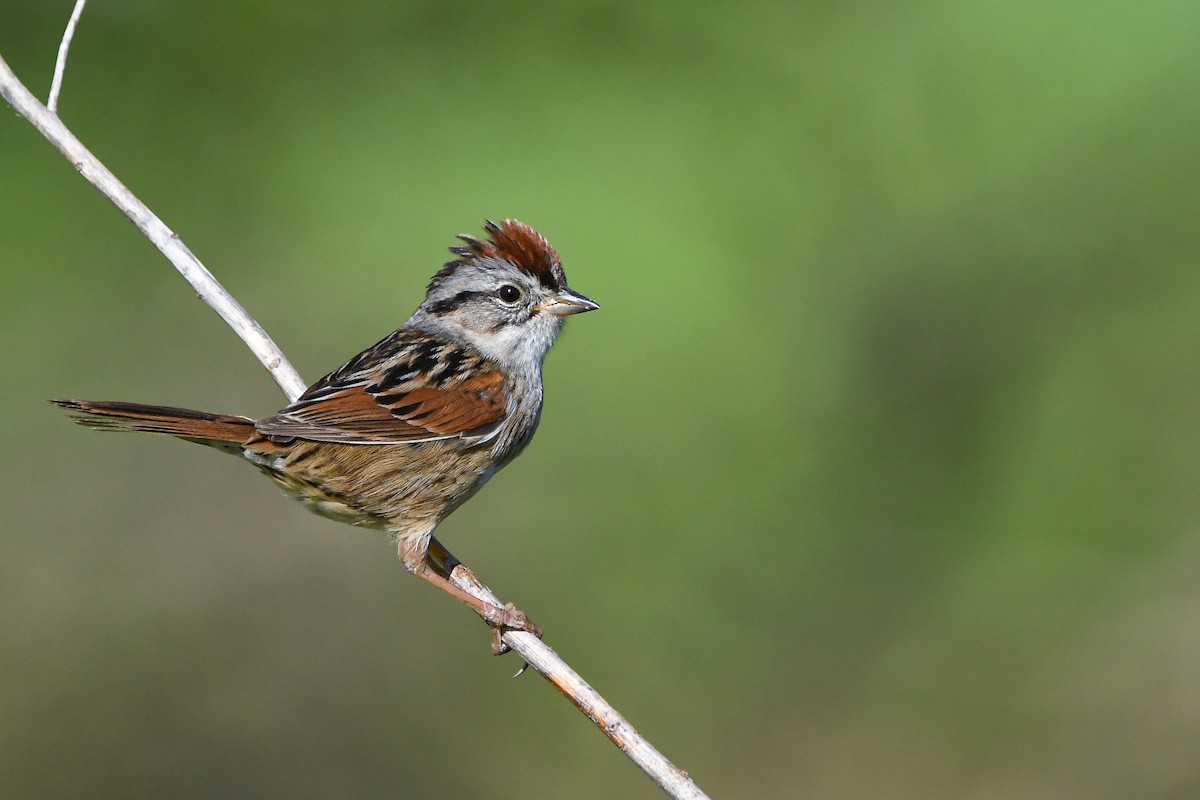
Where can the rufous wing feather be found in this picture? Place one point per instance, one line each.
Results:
(408, 388)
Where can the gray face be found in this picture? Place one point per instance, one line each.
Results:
(497, 307)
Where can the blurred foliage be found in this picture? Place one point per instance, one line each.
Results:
(875, 477)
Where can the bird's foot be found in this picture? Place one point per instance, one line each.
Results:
(506, 618)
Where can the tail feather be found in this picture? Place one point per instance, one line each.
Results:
(218, 430)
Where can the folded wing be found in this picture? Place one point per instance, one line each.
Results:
(410, 387)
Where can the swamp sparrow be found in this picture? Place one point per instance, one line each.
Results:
(414, 425)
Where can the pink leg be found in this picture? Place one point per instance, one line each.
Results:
(430, 561)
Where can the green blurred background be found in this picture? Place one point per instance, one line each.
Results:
(875, 477)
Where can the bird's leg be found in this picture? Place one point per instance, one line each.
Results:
(430, 561)
(448, 565)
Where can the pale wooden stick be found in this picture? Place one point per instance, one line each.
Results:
(60, 64)
(536, 653)
(154, 229)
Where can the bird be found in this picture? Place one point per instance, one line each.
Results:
(412, 427)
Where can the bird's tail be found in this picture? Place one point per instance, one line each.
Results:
(225, 431)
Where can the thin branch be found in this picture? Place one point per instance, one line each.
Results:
(60, 65)
(536, 653)
(154, 229)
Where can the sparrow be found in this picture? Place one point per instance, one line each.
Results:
(413, 426)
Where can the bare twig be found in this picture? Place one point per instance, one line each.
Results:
(154, 229)
(536, 653)
(60, 65)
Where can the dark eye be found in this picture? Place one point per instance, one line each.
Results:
(509, 293)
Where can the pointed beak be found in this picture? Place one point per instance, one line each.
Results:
(566, 303)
